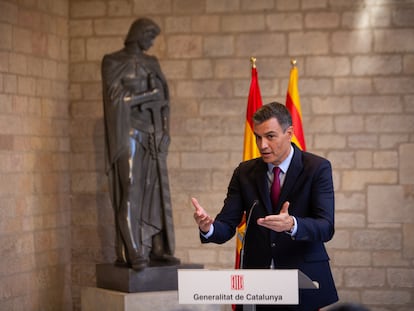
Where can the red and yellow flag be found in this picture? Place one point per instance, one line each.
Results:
(250, 150)
(293, 105)
(254, 102)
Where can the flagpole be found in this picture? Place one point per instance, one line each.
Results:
(250, 150)
(247, 307)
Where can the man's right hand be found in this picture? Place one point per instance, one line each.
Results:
(201, 217)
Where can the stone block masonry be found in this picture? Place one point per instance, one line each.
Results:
(356, 65)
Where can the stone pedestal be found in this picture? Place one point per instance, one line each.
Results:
(98, 299)
(150, 279)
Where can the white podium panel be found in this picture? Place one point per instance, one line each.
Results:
(258, 287)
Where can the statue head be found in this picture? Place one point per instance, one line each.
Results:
(142, 32)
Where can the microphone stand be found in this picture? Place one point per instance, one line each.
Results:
(247, 307)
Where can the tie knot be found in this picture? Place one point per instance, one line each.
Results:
(276, 171)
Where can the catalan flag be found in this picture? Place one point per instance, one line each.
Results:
(293, 105)
(250, 150)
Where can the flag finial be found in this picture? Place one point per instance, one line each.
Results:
(293, 62)
(253, 61)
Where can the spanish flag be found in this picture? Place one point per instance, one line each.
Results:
(250, 150)
(293, 105)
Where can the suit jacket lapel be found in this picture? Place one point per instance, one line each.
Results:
(260, 180)
(292, 175)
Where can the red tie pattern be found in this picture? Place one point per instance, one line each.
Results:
(275, 189)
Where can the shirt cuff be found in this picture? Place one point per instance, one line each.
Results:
(292, 232)
(209, 233)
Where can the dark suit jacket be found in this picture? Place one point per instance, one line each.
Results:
(308, 187)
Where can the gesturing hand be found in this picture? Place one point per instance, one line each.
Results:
(279, 223)
(201, 217)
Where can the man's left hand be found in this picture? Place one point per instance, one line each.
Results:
(279, 223)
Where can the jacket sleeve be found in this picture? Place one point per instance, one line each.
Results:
(231, 214)
(318, 223)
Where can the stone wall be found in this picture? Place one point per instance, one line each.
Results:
(34, 156)
(356, 68)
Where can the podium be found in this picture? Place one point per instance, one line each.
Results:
(248, 287)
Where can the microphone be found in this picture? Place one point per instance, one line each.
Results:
(255, 202)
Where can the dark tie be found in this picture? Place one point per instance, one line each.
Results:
(275, 190)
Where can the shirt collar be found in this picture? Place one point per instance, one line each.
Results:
(285, 164)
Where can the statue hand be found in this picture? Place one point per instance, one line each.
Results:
(164, 143)
(136, 99)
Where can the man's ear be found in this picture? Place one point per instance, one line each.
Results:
(289, 131)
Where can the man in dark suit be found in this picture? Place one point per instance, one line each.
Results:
(290, 232)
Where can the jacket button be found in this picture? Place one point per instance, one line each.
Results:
(273, 245)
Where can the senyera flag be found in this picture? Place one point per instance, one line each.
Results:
(250, 150)
(293, 105)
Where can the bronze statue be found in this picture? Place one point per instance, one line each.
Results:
(136, 113)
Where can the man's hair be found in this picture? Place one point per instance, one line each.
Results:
(273, 110)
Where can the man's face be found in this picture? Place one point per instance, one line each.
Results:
(272, 142)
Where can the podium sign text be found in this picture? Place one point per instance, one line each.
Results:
(261, 287)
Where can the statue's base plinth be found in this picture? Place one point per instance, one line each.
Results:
(98, 299)
(150, 279)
